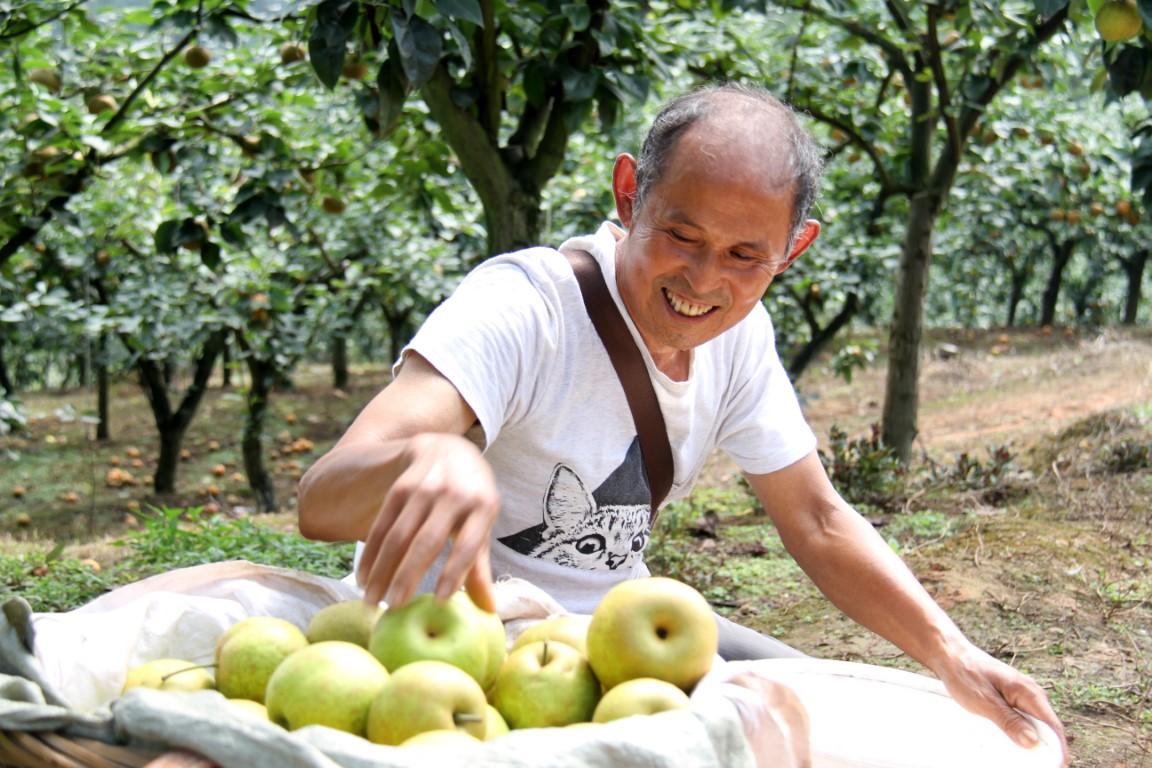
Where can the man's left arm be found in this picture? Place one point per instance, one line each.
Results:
(857, 570)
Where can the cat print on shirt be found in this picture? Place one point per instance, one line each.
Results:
(607, 529)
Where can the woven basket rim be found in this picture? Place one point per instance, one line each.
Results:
(50, 749)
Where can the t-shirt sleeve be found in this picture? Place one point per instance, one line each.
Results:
(763, 429)
(490, 339)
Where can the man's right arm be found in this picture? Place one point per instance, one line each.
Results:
(404, 480)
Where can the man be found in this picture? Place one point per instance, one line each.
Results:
(505, 436)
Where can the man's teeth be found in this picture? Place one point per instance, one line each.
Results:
(686, 308)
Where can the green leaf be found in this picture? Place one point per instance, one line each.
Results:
(1145, 7)
(468, 10)
(462, 44)
(328, 44)
(165, 237)
(1049, 8)
(579, 15)
(579, 86)
(393, 92)
(420, 47)
(210, 255)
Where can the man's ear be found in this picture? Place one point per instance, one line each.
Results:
(624, 187)
(808, 233)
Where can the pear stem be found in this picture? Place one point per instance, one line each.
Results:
(164, 678)
(463, 718)
(544, 655)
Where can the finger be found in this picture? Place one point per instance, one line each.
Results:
(1034, 701)
(478, 582)
(415, 556)
(393, 543)
(471, 537)
(393, 504)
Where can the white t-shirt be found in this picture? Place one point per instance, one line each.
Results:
(516, 341)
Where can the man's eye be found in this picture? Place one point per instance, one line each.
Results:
(679, 236)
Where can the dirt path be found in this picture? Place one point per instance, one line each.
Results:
(1008, 388)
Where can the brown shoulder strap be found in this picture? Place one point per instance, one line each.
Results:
(632, 372)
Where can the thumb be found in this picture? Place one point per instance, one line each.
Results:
(478, 582)
(1019, 729)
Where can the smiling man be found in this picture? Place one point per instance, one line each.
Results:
(505, 443)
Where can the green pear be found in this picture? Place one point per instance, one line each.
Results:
(568, 628)
(426, 696)
(494, 724)
(248, 653)
(330, 683)
(639, 696)
(545, 684)
(169, 675)
(497, 643)
(350, 620)
(652, 627)
(428, 629)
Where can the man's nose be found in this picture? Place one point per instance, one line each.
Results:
(702, 272)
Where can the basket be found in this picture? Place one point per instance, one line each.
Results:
(46, 749)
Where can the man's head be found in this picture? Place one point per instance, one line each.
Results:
(715, 208)
(745, 107)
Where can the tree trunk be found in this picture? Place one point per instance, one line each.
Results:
(263, 375)
(397, 333)
(6, 385)
(902, 392)
(340, 362)
(171, 437)
(1016, 294)
(822, 336)
(1134, 270)
(103, 430)
(172, 424)
(1060, 258)
(226, 367)
(80, 365)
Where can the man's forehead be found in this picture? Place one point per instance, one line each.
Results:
(748, 143)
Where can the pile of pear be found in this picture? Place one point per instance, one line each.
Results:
(437, 671)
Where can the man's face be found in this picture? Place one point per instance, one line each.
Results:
(710, 237)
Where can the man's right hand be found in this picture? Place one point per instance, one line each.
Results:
(444, 493)
(406, 481)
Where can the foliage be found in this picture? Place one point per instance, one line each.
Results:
(1127, 456)
(863, 469)
(174, 538)
(968, 472)
(49, 583)
(169, 538)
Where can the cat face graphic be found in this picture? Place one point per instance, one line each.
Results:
(580, 534)
(591, 531)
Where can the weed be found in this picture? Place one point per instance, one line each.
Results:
(50, 585)
(970, 473)
(1127, 456)
(175, 538)
(864, 470)
(169, 538)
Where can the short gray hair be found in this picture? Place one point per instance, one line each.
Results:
(681, 113)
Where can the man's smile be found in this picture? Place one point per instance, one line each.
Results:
(686, 308)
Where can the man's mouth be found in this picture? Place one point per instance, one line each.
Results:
(686, 308)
